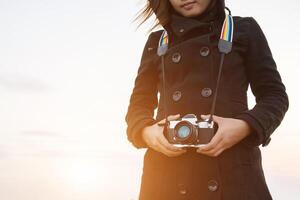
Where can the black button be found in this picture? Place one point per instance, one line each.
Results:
(212, 185)
(176, 95)
(176, 57)
(182, 189)
(206, 92)
(204, 51)
(266, 142)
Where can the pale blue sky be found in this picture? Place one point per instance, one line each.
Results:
(67, 69)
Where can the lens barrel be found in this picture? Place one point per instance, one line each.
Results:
(185, 133)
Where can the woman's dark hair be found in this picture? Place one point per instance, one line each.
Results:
(162, 10)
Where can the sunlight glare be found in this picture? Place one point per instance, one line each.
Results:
(81, 174)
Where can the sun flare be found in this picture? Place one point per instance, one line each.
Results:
(81, 174)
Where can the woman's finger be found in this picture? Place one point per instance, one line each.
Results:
(173, 117)
(170, 118)
(167, 152)
(163, 141)
(216, 118)
(214, 150)
(219, 152)
(215, 153)
(213, 143)
(157, 146)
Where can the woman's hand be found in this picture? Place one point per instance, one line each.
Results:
(230, 132)
(154, 137)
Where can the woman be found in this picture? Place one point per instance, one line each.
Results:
(229, 167)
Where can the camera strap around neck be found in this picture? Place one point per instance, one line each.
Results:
(224, 46)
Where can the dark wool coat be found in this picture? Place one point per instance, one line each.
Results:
(191, 66)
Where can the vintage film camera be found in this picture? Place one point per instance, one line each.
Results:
(189, 131)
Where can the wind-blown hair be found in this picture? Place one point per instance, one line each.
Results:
(162, 10)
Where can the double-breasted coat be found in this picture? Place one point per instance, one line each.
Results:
(191, 67)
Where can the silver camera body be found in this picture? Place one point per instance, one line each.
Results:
(189, 131)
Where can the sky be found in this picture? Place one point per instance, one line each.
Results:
(67, 70)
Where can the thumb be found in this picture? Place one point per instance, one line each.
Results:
(205, 116)
(170, 117)
(216, 118)
(173, 117)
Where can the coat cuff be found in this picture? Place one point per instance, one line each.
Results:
(257, 135)
(136, 132)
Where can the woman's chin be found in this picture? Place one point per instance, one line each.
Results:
(190, 13)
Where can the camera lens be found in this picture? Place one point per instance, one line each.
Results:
(183, 132)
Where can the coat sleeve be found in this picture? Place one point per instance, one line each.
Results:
(266, 85)
(143, 100)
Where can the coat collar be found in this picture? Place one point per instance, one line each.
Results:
(180, 25)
